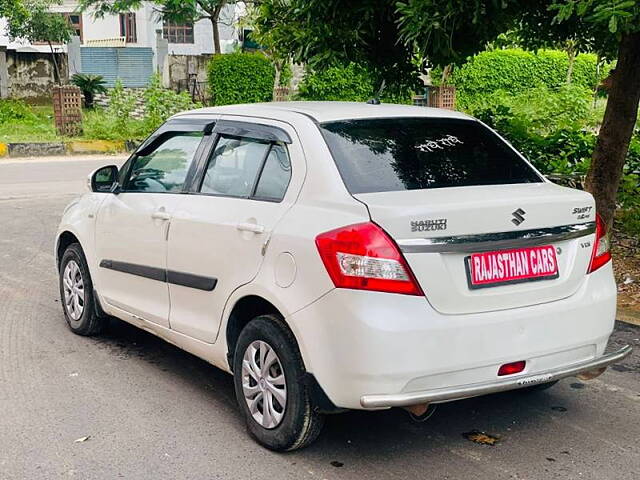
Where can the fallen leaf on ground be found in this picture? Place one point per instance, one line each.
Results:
(482, 438)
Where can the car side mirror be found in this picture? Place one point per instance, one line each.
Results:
(104, 179)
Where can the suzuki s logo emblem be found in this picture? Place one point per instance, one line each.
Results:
(518, 217)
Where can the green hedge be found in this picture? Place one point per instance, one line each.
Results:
(240, 78)
(341, 83)
(351, 83)
(516, 70)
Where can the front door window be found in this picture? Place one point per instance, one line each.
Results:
(165, 169)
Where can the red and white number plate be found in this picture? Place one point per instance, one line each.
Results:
(490, 269)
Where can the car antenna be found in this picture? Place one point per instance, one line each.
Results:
(376, 100)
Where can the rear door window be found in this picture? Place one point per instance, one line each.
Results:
(234, 167)
(275, 175)
(394, 154)
(247, 168)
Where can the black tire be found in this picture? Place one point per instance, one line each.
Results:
(301, 423)
(88, 323)
(538, 388)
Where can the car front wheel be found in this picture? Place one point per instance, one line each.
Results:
(76, 293)
(268, 377)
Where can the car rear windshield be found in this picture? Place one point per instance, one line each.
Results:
(393, 154)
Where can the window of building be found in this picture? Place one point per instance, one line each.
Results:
(177, 32)
(128, 27)
(75, 22)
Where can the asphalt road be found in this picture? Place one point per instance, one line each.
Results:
(152, 411)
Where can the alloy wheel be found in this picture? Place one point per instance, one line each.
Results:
(73, 286)
(263, 384)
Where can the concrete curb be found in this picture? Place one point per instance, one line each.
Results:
(95, 146)
(75, 147)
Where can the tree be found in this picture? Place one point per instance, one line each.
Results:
(623, 21)
(171, 10)
(90, 85)
(323, 33)
(390, 34)
(10, 7)
(36, 23)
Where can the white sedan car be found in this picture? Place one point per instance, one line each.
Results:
(338, 256)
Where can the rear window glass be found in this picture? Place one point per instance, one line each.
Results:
(393, 154)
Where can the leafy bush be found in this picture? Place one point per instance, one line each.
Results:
(549, 126)
(349, 83)
(516, 70)
(343, 83)
(286, 74)
(99, 124)
(240, 78)
(122, 103)
(12, 110)
(541, 110)
(555, 129)
(117, 123)
(630, 221)
(161, 103)
(629, 193)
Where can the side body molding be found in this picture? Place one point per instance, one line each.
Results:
(190, 280)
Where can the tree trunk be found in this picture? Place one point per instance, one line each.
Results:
(446, 71)
(56, 70)
(620, 117)
(88, 99)
(276, 81)
(571, 52)
(215, 16)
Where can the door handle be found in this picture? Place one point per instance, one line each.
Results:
(250, 227)
(160, 215)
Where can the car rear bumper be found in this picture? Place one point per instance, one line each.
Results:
(591, 368)
(372, 345)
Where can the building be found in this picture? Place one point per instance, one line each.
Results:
(130, 46)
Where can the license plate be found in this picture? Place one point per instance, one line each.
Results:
(505, 267)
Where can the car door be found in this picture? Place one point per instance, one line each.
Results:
(132, 224)
(218, 235)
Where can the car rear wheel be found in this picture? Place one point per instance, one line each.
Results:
(76, 293)
(268, 377)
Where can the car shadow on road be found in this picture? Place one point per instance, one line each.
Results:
(354, 434)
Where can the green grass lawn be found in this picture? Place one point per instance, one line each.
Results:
(36, 125)
(40, 128)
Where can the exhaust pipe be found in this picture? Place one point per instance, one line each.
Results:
(420, 412)
(591, 374)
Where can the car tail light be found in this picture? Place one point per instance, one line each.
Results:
(364, 257)
(511, 368)
(601, 247)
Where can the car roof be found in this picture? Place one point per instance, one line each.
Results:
(328, 111)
